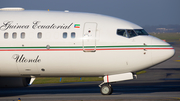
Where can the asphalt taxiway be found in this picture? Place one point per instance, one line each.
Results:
(161, 82)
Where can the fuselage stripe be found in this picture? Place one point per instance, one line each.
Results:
(158, 48)
(79, 47)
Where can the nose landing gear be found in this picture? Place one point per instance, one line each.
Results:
(106, 89)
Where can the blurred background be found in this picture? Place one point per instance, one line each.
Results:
(153, 15)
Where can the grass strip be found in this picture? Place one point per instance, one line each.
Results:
(48, 80)
(167, 36)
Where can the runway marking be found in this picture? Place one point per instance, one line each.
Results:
(178, 98)
(141, 72)
(177, 60)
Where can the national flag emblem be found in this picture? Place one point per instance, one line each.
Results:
(76, 25)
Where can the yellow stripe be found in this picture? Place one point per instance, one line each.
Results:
(176, 98)
(141, 72)
(177, 60)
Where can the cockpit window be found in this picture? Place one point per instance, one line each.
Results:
(131, 33)
(122, 32)
(141, 32)
(128, 33)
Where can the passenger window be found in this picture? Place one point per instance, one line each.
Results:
(64, 35)
(39, 35)
(131, 33)
(14, 35)
(122, 33)
(6, 35)
(22, 35)
(73, 35)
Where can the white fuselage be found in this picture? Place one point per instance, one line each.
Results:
(93, 50)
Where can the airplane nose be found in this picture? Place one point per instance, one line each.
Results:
(161, 51)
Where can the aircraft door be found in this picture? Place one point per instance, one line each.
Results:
(89, 37)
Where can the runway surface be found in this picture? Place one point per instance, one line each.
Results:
(161, 82)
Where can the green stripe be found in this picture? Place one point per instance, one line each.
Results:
(86, 46)
(77, 24)
(137, 46)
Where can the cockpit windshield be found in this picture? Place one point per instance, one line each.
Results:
(141, 32)
(129, 33)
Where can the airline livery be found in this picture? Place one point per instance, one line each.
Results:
(71, 44)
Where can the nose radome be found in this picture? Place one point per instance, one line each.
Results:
(161, 51)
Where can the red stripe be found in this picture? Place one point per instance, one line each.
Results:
(107, 78)
(134, 48)
(122, 49)
(89, 49)
(77, 27)
(159, 48)
(84, 49)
